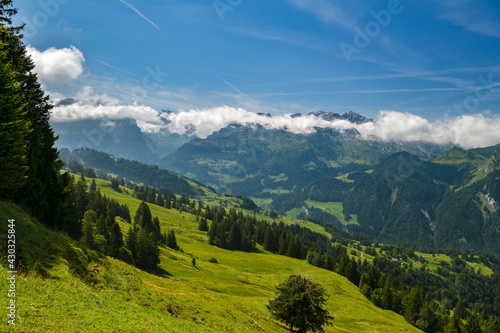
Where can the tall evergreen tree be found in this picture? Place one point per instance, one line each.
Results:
(203, 225)
(116, 240)
(159, 200)
(88, 224)
(102, 227)
(269, 243)
(235, 238)
(147, 251)
(387, 295)
(171, 241)
(131, 240)
(344, 261)
(14, 127)
(44, 180)
(143, 216)
(352, 273)
(413, 305)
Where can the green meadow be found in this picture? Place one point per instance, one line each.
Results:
(66, 287)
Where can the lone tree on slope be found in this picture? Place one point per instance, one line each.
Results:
(299, 304)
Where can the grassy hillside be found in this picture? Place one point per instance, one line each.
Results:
(66, 287)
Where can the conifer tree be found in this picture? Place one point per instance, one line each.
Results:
(494, 326)
(147, 251)
(344, 261)
(387, 295)
(472, 325)
(269, 239)
(413, 305)
(235, 239)
(299, 304)
(283, 244)
(452, 326)
(44, 180)
(102, 227)
(116, 240)
(203, 225)
(93, 186)
(143, 216)
(131, 240)
(159, 200)
(14, 128)
(171, 241)
(88, 224)
(212, 232)
(351, 272)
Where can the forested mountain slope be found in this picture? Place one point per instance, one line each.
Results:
(252, 160)
(451, 201)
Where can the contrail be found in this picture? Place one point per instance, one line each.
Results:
(138, 12)
(113, 67)
(230, 85)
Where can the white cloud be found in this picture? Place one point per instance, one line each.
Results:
(202, 123)
(477, 130)
(57, 66)
(89, 105)
(468, 131)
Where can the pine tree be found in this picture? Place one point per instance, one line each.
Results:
(78, 202)
(203, 225)
(459, 312)
(269, 239)
(6, 11)
(131, 241)
(147, 251)
(157, 238)
(413, 305)
(472, 325)
(115, 185)
(494, 326)
(171, 241)
(351, 272)
(212, 232)
(44, 180)
(299, 304)
(387, 295)
(143, 216)
(88, 223)
(159, 200)
(116, 240)
(452, 326)
(283, 244)
(14, 128)
(344, 261)
(151, 196)
(235, 237)
(93, 186)
(102, 227)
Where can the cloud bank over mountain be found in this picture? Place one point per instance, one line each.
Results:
(475, 130)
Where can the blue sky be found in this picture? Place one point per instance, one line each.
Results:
(435, 59)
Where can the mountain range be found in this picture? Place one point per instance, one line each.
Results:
(416, 192)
